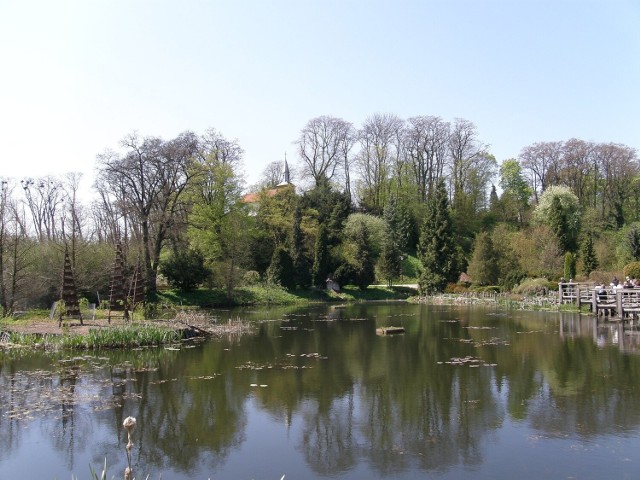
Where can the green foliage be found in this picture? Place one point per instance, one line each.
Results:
(589, 258)
(483, 268)
(185, 269)
(437, 248)
(559, 208)
(516, 191)
(632, 270)
(633, 241)
(321, 258)
(281, 271)
(365, 260)
(299, 256)
(389, 263)
(569, 265)
(376, 230)
(534, 286)
(250, 278)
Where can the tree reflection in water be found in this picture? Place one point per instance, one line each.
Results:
(338, 400)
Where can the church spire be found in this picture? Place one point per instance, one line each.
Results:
(287, 178)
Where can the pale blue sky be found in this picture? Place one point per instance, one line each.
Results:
(77, 76)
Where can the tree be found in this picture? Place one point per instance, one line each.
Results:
(436, 248)
(394, 243)
(321, 146)
(281, 270)
(320, 269)
(219, 223)
(483, 267)
(149, 181)
(301, 263)
(589, 258)
(569, 265)
(379, 151)
(633, 241)
(559, 208)
(426, 145)
(364, 258)
(516, 191)
(44, 198)
(389, 263)
(185, 269)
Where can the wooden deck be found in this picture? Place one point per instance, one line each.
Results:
(618, 303)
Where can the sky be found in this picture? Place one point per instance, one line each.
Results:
(76, 76)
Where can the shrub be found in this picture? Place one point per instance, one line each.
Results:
(250, 278)
(185, 270)
(632, 270)
(534, 286)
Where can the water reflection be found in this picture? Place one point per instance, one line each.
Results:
(314, 392)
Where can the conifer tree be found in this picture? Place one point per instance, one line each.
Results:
(321, 258)
(569, 265)
(633, 240)
(590, 261)
(301, 271)
(280, 272)
(365, 269)
(437, 249)
(483, 268)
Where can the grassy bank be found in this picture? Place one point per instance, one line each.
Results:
(274, 295)
(117, 336)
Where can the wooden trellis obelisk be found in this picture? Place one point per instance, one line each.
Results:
(136, 287)
(117, 298)
(69, 293)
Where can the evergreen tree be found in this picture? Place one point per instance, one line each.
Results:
(590, 261)
(633, 240)
(389, 263)
(569, 265)
(185, 269)
(280, 272)
(365, 267)
(483, 268)
(301, 271)
(321, 258)
(558, 223)
(437, 249)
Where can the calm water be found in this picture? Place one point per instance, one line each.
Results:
(315, 393)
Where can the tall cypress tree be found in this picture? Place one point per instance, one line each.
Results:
(365, 269)
(589, 259)
(321, 258)
(301, 270)
(437, 248)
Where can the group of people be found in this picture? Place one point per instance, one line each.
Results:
(628, 283)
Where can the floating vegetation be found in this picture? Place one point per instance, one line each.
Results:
(495, 341)
(468, 361)
(282, 365)
(480, 328)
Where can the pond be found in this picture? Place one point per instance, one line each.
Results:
(464, 392)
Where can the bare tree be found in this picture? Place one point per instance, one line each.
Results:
(214, 147)
(426, 140)
(541, 162)
(14, 249)
(149, 181)
(379, 152)
(44, 196)
(466, 153)
(273, 174)
(321, 147)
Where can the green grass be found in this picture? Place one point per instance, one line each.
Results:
(133, 335)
